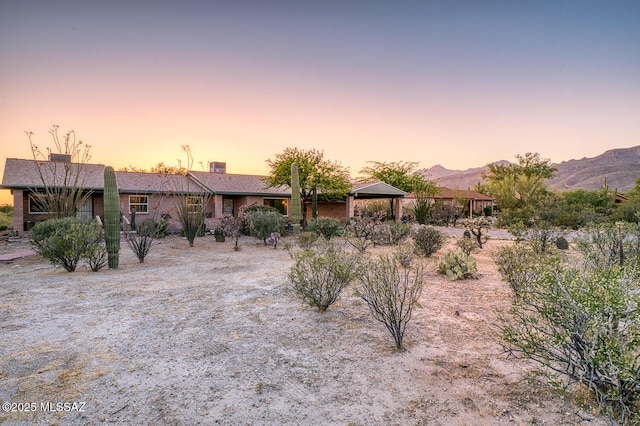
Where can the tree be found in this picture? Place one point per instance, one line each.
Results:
(399, 174)
(63, 182)
(328, 179)
(517, 187)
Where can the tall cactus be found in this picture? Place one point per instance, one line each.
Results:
(295, 198)
(111, 216)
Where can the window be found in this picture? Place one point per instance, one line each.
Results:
(194, 204)
(37, 204)
(278, 203)
(227, 206)
(139, 202)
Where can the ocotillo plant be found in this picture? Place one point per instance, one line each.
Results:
(111, 216)
(295, 198)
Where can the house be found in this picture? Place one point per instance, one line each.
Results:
(472, 202)
(152, 195)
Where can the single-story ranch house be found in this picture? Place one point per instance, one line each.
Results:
(151, 194)
(474, 203)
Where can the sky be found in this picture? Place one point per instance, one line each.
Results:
(456, 83)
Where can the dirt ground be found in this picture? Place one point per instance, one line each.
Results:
(207, 335)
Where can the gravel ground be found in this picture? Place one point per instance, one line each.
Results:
(207, 335)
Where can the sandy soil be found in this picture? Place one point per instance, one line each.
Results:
(206, 335)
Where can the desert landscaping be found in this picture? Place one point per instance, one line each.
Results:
(209, 335)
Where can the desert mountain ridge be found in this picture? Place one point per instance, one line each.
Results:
(618, 168)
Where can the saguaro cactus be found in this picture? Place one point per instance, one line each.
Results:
(295, 199)
(111, 216)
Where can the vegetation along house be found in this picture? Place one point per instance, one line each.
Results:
(152, 195)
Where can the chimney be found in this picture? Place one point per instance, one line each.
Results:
(59, 158)
(217, 167)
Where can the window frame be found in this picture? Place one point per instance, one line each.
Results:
(138, 204)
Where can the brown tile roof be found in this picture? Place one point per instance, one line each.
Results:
(225, 183)
(20, 173)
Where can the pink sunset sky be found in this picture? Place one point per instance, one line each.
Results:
(457, 83)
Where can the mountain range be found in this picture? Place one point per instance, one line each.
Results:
(616, 168)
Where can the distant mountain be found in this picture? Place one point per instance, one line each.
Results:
(619, 168)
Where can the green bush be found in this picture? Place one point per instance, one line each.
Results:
(306, 240)
(319, 275)
(326, 227)
(245, 212)
(65, 241)
(428, 240)
(582, 323)
(263, 223)
(458, 266)
(562, 243)
(391, 233)
(467, 245)
(520, 264)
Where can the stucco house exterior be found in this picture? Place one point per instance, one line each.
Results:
(152, 194)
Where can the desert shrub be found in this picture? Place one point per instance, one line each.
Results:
(391, 286)
(97, 256)
(561, 243)
(519, 265)
(65, 241)
(162, 228)
(245, 212)
(306, 240)
(361, 232)
(582, 323)
(320, 274)
(458, 266)
(467, 245)
(606, 245)
(6, 217)
(263, 223)
(231, 226)
(391, 233)
(140, 242)
(374, 208)
(326, 227)
(541, 238)
(428, 240)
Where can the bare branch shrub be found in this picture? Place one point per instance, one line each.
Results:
(361, 231)
(320, 274)
(391, 286)
(64, 188)
(141, 241)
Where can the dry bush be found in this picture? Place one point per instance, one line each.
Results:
(391, 286)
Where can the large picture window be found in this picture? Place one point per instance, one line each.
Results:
(139, 202)
(278, 203)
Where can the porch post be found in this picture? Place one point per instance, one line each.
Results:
(350, 210)
(18, 210)
(398, 209)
